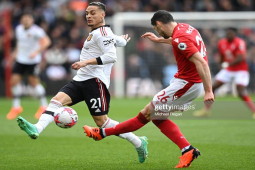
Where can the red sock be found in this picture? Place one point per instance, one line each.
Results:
(249, 103)
(172, 131)
(127, 126)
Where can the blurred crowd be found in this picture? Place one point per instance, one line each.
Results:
(64, 21)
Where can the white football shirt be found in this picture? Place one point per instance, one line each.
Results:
(28, 41)
(102, 43)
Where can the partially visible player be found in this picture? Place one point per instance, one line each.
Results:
(233, 62)
(92, 81)
(31, 42)
(193, 73)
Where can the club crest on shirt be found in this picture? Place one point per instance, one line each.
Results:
(89, 37)
(182, 46)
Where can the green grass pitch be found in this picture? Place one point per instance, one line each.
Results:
(227, 143)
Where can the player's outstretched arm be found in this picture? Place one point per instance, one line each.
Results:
(204, 73)
(156, 39)
(122, 40)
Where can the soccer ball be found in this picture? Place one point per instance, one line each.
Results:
(65, 117)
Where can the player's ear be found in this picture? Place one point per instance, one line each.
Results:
(103, 14)
(158, 23)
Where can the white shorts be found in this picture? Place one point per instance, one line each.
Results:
(177, 96)
(239, 77)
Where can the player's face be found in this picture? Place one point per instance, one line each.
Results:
(27, 20)
(230, 35)
(161, 32)
(94, 16)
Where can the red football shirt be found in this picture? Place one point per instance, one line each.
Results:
(186, 42)
(230, 50)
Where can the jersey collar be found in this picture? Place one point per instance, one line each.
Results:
(176, 28)
(100, 27)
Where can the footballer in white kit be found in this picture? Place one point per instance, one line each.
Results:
(31, 41)
(92, 80)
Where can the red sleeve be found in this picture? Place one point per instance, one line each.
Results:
(241, 48)
(185, 46)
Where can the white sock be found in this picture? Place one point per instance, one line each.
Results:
(17, 92)
(16, 102)
(40, 92)
(132, 138)
(43, 122)
(46, 119)
(43, 101)
(185, 148)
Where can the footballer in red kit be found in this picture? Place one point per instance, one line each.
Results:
(192, 77)
(232, 50)
(186, 42)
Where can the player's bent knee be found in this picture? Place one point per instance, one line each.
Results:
(63, 98)
(146, 111)
(241, 91)
(14, 81)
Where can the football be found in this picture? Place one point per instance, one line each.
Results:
(65, 117)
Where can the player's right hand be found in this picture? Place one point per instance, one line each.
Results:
(33, 54)
(224, 65)
(150, 36)
(78, 65)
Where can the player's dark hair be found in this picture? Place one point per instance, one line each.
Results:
(100, 5)
(28, 13)
(163, 16)
(232, 29)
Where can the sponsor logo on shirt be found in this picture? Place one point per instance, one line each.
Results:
(176, 40)
(182, 46)
(108, 42)
(190, 29)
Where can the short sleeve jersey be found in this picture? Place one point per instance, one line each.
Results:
(186, 42)
(230, 50)
(28, 41)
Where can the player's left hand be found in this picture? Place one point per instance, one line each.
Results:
(150, 36)
(126, 37)
(33, 54)
(78, 65)
(209, 98)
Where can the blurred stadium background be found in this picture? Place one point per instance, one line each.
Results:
(143, 68)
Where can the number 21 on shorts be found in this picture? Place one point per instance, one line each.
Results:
(94, 103)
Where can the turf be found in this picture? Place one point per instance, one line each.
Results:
(224, 143)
